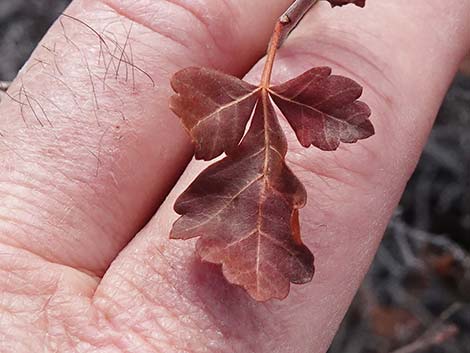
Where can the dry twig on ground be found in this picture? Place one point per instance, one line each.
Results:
(437, 334)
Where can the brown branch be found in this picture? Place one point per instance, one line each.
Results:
(425, 342)
(292, 17)
(437, 334)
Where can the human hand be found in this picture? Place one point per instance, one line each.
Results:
(90, 152)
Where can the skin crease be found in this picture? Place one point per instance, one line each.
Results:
(76, 191)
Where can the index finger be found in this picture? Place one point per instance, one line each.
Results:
(89, 147)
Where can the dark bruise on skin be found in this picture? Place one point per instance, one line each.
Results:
(245, 208)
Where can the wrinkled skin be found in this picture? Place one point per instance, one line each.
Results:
(78, 190)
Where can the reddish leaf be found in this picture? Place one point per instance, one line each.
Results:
(360, 3)
(323, 110)
(215, 108)
(244, 208)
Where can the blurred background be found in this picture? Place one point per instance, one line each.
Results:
(417, 293)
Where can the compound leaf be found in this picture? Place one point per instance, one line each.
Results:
(245, 208)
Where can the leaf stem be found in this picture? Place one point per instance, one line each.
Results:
(284, 26)
(271, 54)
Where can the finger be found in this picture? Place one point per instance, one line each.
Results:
(352, 192)
(89, 148)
